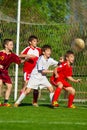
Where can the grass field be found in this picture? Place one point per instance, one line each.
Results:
(44, 117)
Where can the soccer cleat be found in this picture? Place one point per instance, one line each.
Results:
(72, 106)
(35, 105)
(55, 104)
(16, 104)
(7, 105)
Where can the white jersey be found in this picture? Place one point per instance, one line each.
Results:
(37, 79)
(43, 64)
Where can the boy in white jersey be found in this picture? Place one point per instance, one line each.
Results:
(38, 76)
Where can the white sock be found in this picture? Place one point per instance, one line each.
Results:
(22, 96)
(51, 96)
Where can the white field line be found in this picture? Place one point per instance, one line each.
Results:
(50, 123)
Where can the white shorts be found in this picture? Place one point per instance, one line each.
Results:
(35, 83)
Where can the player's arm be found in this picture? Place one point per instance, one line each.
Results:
(41, 68)
(46, 71)
(56, 72)
(27, 56)
(73, 80)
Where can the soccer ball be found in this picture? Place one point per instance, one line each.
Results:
(78, 44)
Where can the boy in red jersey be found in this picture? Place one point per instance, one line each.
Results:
(59, 79)
(31, 52)
(6, 58)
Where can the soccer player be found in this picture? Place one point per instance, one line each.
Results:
(38, 76)
(31, 52)
(59, 79)
(6, 58)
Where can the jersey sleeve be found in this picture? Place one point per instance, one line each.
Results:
(40, 51)
(25, 50)
(61, 67)
(16, 59)
(54, 62)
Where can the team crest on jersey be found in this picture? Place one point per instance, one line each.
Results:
(1, 57)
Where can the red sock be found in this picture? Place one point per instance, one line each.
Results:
(35, 96)
(56, 94)
(70, 99)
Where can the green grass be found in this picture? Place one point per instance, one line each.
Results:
(27, 117)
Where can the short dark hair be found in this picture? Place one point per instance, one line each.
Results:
(31, 38)
(69, 52)
(45, 47)
(5, 41)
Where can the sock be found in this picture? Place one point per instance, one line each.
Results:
(5, 101)
(56, 94)
(51, 96)
(22, 96)
(35, 95)
(70, 99)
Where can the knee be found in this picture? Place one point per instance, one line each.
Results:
(9, 87)
(27, 91)
(60, 85)
(50, 89)
(72, 91)
(0, 85)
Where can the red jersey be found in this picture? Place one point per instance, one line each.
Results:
(30, 64)
(64, 70)
(5, 61)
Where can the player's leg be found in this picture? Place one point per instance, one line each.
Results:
(26, 78)
(31, 85)
(22, 96)
(57, 92)
(71, 96)
(7, 94)
(46, 84)
(35, 92)
(35, 97)
(51, 90)
(24, 85)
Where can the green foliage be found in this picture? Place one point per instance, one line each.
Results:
(41, 11)
(47, 20)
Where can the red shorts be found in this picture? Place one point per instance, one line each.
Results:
(54, 82)
(5, 77)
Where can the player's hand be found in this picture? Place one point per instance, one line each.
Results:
(56, 76)
(1, 67)
(79, 80)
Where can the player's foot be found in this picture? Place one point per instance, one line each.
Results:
(7, 105)
(72, 106)
(35, 105)
(16, 104)
(55, 104)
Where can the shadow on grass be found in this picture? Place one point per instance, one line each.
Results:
(30, 104)
(25, 104)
